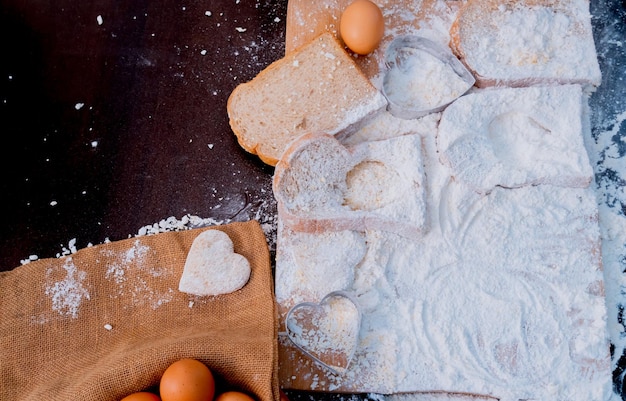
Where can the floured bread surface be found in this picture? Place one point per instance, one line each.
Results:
(212, 267)
(321, 185)
(318, 88)
(514, 137)
(520, 43)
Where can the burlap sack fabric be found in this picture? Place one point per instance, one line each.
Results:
(107, 321)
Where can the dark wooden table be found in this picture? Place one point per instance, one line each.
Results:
(113, 117)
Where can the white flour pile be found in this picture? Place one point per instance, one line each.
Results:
(507, 138)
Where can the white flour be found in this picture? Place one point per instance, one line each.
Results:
(609, 157)
(488, 302)
(321, 179)
(67, 289)
(509, 138)
(522, 41)
(132, 274)
(423, 82)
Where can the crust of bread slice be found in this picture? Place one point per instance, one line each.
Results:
(527, 42)
(318, 88)
(321, 185)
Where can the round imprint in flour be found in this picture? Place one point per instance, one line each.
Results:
(368, 185)
(328, 332)
(513, 134)
(502, 326)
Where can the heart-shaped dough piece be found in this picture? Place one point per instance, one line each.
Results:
(212, 266)
(328, 332)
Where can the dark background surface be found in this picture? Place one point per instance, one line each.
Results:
(152, 138)
(110, 127)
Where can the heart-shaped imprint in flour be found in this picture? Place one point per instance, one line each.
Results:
(212, 266)
(328, 332)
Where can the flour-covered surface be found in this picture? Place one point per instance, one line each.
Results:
(501, 297)
(480, 223)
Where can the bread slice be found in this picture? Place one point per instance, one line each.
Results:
(318, 88)
(514, 137)
(320, 185)
(521, 43)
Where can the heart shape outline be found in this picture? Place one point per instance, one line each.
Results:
(212, 267)
(327, 331)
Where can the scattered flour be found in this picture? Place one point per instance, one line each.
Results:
(609, 157)
(171, 223)
(132, 275)
(67, 288)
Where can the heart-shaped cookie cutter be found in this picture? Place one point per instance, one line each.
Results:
(327, 331)
(400, 55)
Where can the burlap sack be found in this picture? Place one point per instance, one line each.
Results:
(108, 320)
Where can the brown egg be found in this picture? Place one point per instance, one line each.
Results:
(141, 396)
(234, 396)
(187, 380)
(362, 26)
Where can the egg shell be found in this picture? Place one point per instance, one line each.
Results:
(187, 380)
(234, 396)
(362, 26)
(141, 396)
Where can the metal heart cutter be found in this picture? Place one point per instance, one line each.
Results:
(328, 331)
(422, 77)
